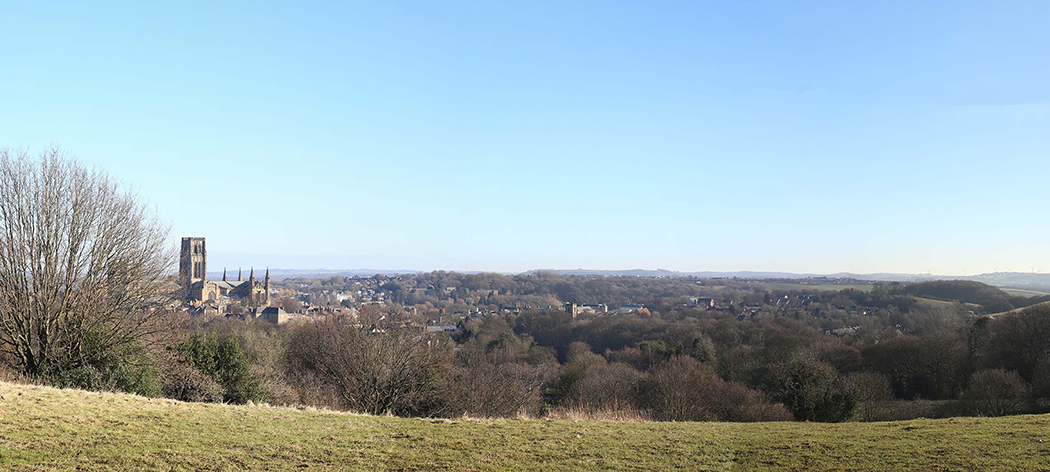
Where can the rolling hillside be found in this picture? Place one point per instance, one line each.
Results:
(43, 428)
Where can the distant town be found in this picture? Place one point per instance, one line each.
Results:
(440, 302)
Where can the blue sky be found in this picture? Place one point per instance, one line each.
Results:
(793, 136)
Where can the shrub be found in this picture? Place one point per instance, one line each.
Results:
(589, 383)
(872, 391)
(109, 377)
(225, 362)
(125, 369)
(810, 389)
(187, 383)
(482, 388)
(900, 410)
(266, 344)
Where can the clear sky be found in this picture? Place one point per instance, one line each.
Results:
(795, 136)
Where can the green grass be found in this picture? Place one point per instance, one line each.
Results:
(932, 302)
(821, 288)
(43, 428)
(1018, 310)
(1023, 293)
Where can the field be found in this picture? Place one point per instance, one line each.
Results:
(1018, 310)
(1017, 292)
(820, 288)
(43, 428)
(931, 302)
(868, 287)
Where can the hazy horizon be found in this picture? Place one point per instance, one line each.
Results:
(232, 262)
(803, 137)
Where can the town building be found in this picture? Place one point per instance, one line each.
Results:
(589, 308)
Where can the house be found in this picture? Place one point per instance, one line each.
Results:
(273, 314)
(596, 307)
(702, 302)
(450, 329)
(624, 309)
(591, 308)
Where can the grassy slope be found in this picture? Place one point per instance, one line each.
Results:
(819, 288)
(931, 302)
(46, 428)
(1018, 310)
(1022, 292)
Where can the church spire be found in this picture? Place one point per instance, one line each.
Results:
(267, 286)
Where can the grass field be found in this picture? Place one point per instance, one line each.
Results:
(1018, 310)
(943, 303)
(1023, 293)
(43, 428)
(821, 288)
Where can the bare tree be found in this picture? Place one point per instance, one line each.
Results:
(82, 263)
(684, 389)
(996, 392)
(375, 368)
(494, 384)
(591, 384)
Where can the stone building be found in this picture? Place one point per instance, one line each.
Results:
(273, 314)
(193, 275)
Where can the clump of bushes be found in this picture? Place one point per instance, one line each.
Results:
(812, 390)
(207, 367)
(185, 382)
(684, 389)
(127, 368)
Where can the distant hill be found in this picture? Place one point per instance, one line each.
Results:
(671, 273)
(279, 274)
(1017, 280)
(1023, 280)
(1035, 306)
(990, 298)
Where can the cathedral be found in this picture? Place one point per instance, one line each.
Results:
(193, 274)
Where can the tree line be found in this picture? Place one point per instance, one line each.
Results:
(691, 368)
(85, 302)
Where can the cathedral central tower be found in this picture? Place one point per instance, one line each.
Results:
(193, 262)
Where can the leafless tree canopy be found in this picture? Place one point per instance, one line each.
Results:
(376, 368)
(82, 262)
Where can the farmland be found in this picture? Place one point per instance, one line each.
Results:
(819, 287)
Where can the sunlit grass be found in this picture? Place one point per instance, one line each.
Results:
(819, 288)
(1023, 293)
(43, 428)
